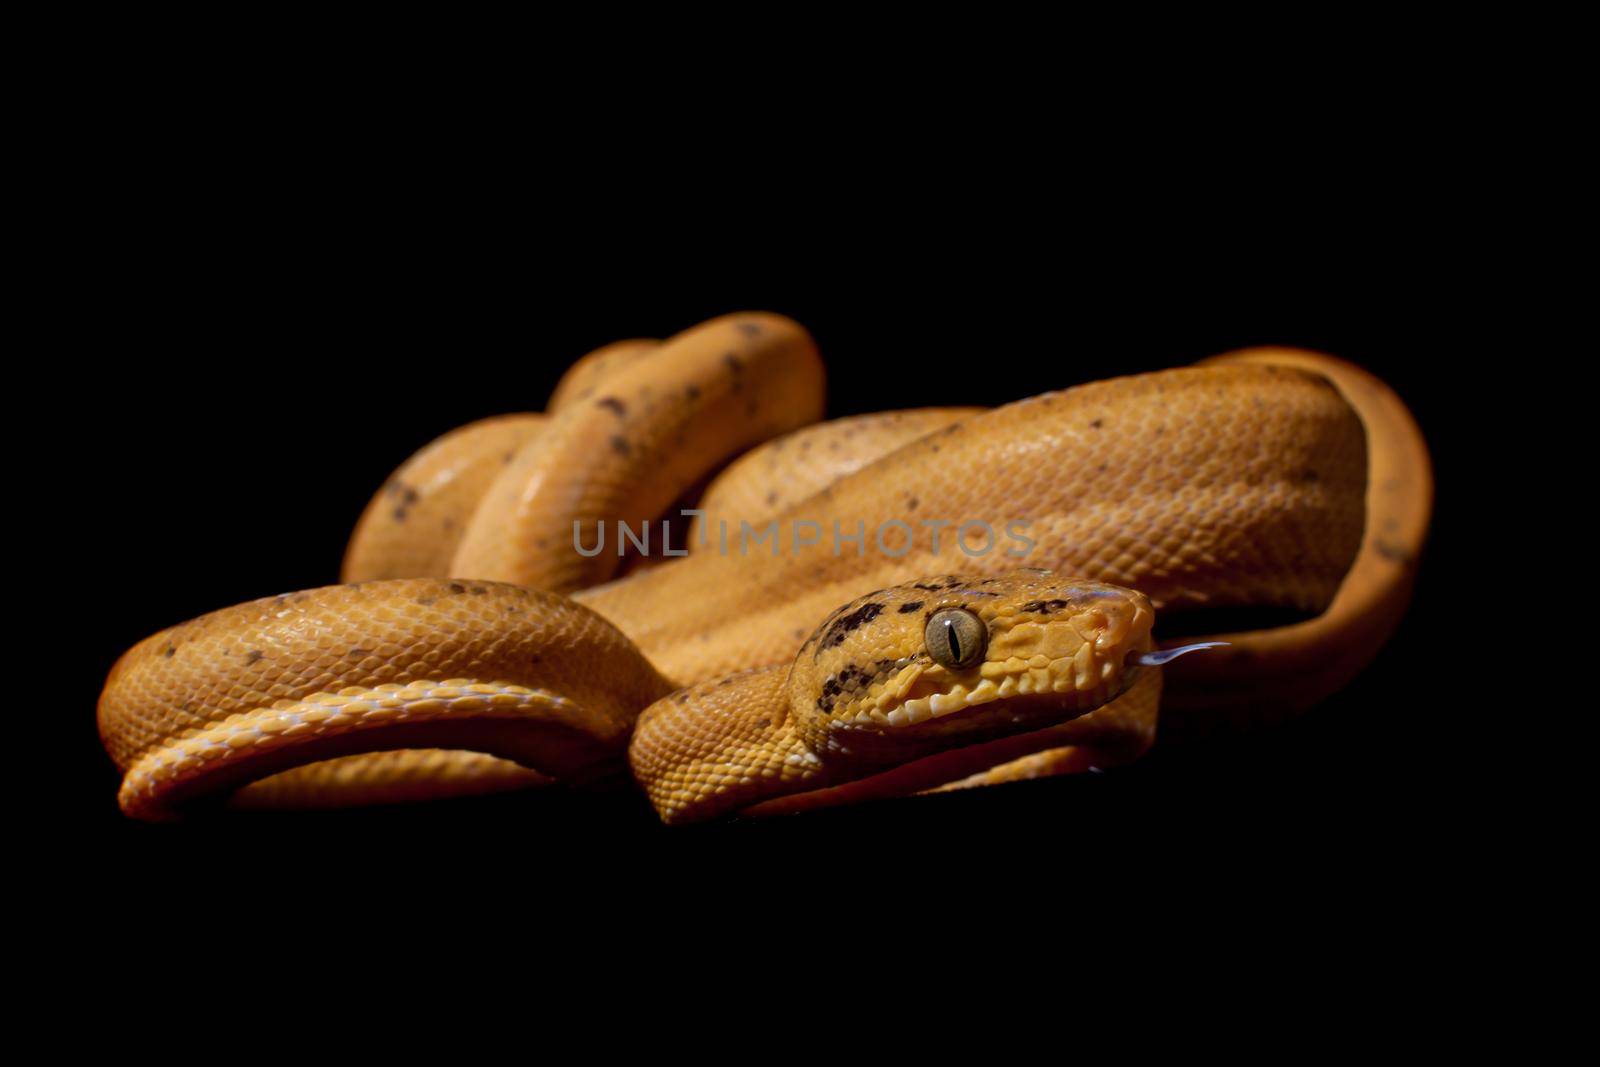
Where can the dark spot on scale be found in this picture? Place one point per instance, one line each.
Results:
(909, 606)
(841, 626)
(750, 329)
(507, 458)
(1043, 607)
(457, 587)
(834, 614)
(1095, 424)
(911, 504)
(478, 590)
(613, 404)
(620, 445)
(693, 392)
(171, 650)
(772, 497)
(408, 496)
(851, 680)
(764, 724)
(1391, 551)
(359, 653)
(427, 601)
(255, 655)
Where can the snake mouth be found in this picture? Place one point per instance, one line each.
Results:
(1052, 668)
(1080, 681)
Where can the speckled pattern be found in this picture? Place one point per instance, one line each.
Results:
(766, 480)
(634, 446)
(1116, 733)
(1205, 486)
(1263, 478)
(414, 524)
(259, 687)
(583, 378)
(1265, 675)
(864, 695)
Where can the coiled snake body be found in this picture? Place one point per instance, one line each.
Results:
(470, 631)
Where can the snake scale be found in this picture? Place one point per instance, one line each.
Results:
(972, 599)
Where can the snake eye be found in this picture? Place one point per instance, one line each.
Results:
(956, 638)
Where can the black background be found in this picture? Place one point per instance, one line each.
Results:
(273, 351)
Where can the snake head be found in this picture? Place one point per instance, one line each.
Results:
(904, 670)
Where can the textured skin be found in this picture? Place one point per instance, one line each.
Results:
(1117, 733)
(1237, 483)
(1201, 487)
(864, 695)
(1268, 674)
(412, 528)
(679, 411)
(766, 480)
(397, 777)
(414, 524)
(585, 376)
(250, 690)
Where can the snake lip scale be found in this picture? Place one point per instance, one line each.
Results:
(470, 650)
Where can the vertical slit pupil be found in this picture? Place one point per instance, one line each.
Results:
(954, 639)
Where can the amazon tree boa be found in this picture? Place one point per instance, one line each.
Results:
(878, 605)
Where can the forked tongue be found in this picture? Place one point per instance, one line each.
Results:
(1167, 655)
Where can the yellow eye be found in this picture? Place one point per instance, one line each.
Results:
(956, 638)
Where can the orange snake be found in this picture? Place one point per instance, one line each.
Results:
(472, 634)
